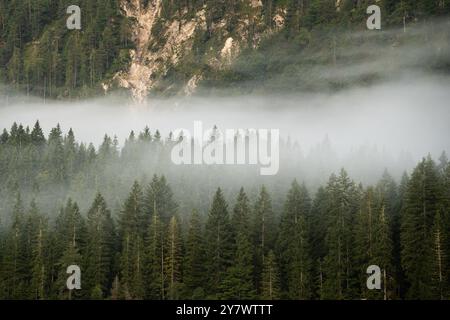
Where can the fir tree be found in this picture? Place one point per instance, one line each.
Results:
(154, 259)
(422, 201)
(270, 286)
(194, 269)
(218, 243)
(132, 235)
(264, 230)
(173, 263)
(294, 243)
(339, 279)
(99, 249)
(14, 268)
(238, 283)
(439, 268)
(38, 269)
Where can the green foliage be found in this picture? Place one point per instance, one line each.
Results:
(238, 283)
(173, 263)
(218, 236)
(270, 286)
(145, 249)
(132, 243)
(100, 247)
(423, 202)
(294, 243)
(40, 56)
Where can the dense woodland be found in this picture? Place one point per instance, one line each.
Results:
(315, 245)
(39, 56)
(141, 228)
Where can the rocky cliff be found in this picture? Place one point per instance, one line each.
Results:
(163, 41)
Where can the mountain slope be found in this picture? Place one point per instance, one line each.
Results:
(170, 47)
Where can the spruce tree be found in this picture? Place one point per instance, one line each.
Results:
(132, 242)
(389, 191)
(439, 260)
(339, 280)
(422, 202)
(264, 231)
(317, 227)
(173, 263)
(383, 249)
(373, 243)
(159, 198)
(238, 283)
(194, 268)
(293, 243)
(154, 259)
(14, 266)
(38, 268)
(99, 249)
(219, 242)
(270, 285)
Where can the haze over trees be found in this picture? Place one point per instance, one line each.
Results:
(39, 56)
(311, 245)
(140, 227)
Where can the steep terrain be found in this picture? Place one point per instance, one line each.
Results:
(171, 47)
(162, 44)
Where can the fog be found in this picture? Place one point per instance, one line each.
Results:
(410, 115)
(391, 122)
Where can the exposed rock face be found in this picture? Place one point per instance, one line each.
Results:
(162, 43)
(192, 84)
(138, 77)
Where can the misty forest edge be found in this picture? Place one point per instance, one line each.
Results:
(112, 52)
(151, 247)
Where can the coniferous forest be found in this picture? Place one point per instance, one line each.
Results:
(40, 57)
(149, 242)
(371, 76)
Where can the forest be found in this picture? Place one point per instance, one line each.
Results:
(140, 227)
(40, 57)
(142, 240)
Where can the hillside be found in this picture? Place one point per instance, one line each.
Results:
(171, 47)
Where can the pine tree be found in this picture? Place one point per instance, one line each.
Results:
(391, 199)
(365, 238)
(293, 243)
(14, 268)
(238, 282)
(439, 260)
(37, 136)
(270, 286)
(154, 259)
(374, 243)
(264, 231)
(70, 228)
(317, 227)
(421, 205)
(383, 248)
(55, 155)
(402, 285)
(99, 249)
(173, 263)
(38, 269)
(445, 218)
(132, 239)
(338, 267)
(159, 198)
(194, 269)
(218, 243)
